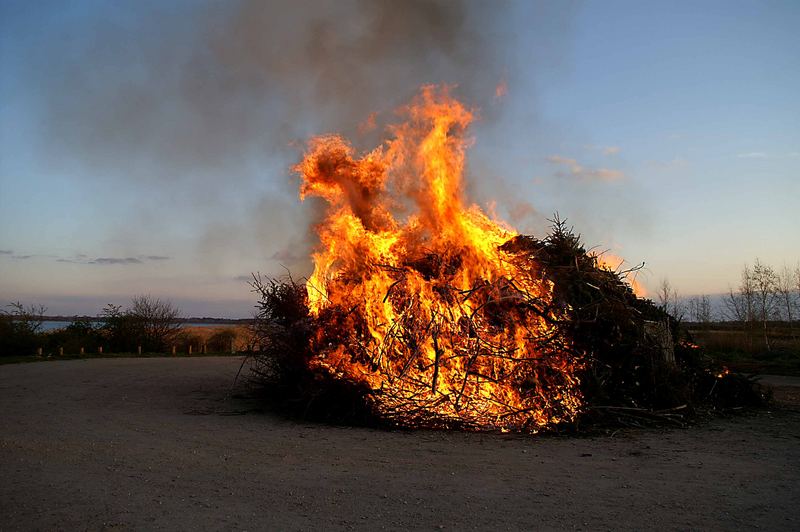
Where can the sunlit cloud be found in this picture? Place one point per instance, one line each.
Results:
(577, 170)
(605, 150)
(501, 90)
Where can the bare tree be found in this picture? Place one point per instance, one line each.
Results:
(668, 299)
(29, 318)
(741, 302)
(764, 289)
(699, 308)
(156, 321)
(797, 286)
(786, 292)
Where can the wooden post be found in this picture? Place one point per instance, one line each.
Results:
(205, 348)
(233, 350)
(190, 349)
(100, 350)
(61, 351)
(173, 350)
(39, 352)
(139, 350)
(81, 351)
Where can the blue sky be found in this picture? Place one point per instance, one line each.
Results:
(145, 146)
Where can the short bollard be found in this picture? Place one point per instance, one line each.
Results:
(139, 350)
(204, 349)
(173, 350)
(190, 349)
(39, 352)
(100, 350)
(61, 351)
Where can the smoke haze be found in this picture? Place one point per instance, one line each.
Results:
(207, 111)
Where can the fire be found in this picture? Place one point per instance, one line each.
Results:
(613, 263)
(420, 303)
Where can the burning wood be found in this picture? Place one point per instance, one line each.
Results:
(424, 311)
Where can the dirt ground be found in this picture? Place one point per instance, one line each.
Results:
(169, 444)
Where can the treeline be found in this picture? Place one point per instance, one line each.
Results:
(764, 306)
(148, 324)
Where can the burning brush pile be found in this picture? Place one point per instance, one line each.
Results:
(423, 311)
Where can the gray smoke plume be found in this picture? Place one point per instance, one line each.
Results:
(205, 108)
(172, 96)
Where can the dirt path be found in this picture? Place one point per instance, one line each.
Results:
(160, 443)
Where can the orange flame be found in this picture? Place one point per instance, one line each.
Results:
(613, 263)
(408, 269)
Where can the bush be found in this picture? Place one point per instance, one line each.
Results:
(19, 329)
(149, 322)
(222, 340)
(78, 334)
(183, 339)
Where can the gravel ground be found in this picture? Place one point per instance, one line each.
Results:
(167, 444)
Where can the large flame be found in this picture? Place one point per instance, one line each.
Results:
(422, 306)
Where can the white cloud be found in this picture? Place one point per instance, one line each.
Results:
(752, 155)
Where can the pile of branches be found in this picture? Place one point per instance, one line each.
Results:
(626, 377)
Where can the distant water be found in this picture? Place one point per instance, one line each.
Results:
(51, 325)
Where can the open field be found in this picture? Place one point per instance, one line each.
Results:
(145, 443)
(745, 351)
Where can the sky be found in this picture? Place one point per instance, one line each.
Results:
(145, 146)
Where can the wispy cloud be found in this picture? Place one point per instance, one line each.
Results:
(113, 260)
(81, 258)
(752, 155)
(286, 255)
(243, 278)
(605, 150)
(21, 257)
(677, 162)
(5, 252)
(577, 170)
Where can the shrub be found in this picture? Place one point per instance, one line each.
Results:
(19, 329)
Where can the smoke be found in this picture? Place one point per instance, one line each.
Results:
(162, 95)
(205, 111)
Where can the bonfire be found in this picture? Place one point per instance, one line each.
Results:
(424, 311)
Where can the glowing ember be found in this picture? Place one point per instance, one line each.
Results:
(413, 296)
